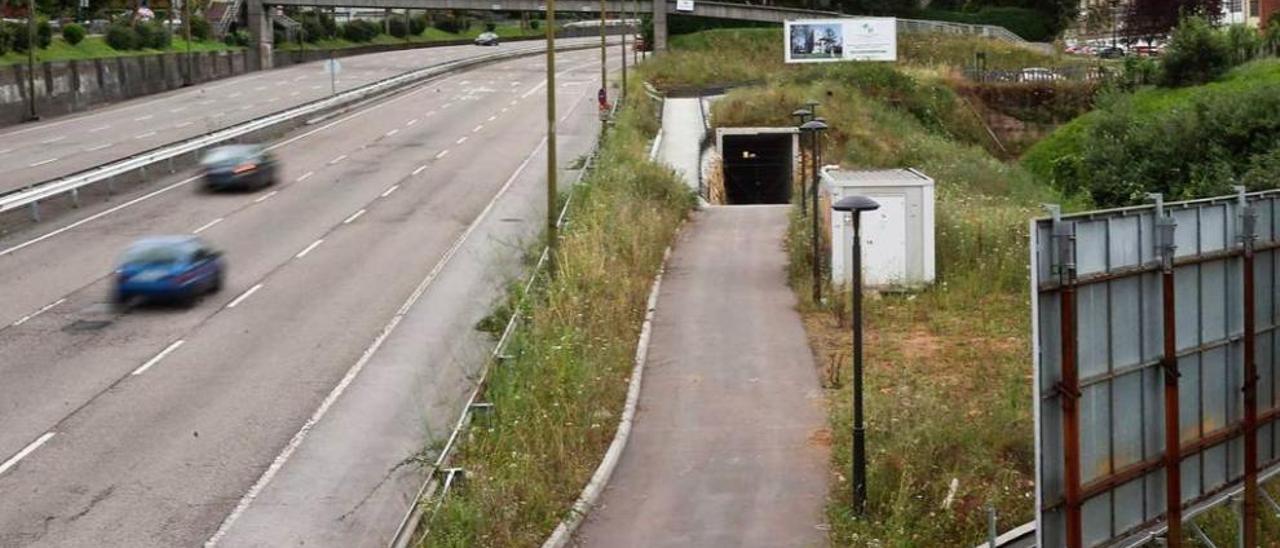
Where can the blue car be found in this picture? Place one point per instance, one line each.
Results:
(168, 268)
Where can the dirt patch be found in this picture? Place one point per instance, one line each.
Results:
(820, 438)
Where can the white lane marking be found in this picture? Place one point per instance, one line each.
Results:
(265, 197)
(5, 151)
(100, 128)
(24, 452)
(160, 191)
(145, 135)
(299, 78)
(514, 101)
(353, 217)
(53, 140)
(411, 122)
(430, 113)
(273, 99)
(43, 162)
(494, 117)
(42, 310)
(168, 349)
(419, 170)
(478, 128)
(446, 105)
(207, 226)
(317, 86)
(390, 190)
(295, 94)
(259, 88)
(244, 296)
(338, 159)
(98, 147)
(504, 109)
(304, 176)
(391, 133)
(461, 140)
(464, 82)
(206, 102)
(355, 370)
(143, 118)
(177, 110)
(183, 124)
(308, 249)
(246, 107)
(442, 154)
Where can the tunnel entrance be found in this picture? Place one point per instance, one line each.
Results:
(758, 167)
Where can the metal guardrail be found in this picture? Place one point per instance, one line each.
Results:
(442, 477)
(32, 195)
(948, 27)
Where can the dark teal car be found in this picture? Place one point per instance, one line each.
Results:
(238, 167)
(168, 268)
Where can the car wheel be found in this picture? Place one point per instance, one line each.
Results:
(217, 284)
(119, 302)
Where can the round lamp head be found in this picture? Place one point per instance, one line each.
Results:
(799, 113)
(813, 125)
(856, 204)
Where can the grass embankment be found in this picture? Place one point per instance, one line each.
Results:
(94, 47)
(1185, 142)
(948, 376)
(432, 34)
(557, 401)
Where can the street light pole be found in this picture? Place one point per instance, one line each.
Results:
(31, 61)
(551, 124)
(622, 16)
(815, 127)
(186, 24)
(604, 83)
(802, 116)
(855, 205)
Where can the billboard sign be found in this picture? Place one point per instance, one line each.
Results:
(684, 5)
(850, 39)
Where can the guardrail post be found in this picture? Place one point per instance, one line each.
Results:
(75, 198)
(35, 211)
(1248, 236)
(1064, 241)
(991, 527)
(1164, 242)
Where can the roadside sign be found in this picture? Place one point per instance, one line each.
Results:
(848, 39)
(332, 66)
(684, 5)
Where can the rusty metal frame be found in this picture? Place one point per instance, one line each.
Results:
(1236, 272)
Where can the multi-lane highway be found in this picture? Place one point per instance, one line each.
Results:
(288, 408)
(32, 154)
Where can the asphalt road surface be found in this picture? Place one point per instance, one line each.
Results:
(287, 408)
(728, 445)
(46, 150)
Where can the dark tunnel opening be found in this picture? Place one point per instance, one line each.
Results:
(758, 168)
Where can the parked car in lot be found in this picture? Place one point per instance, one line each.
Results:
(168, 268)
(1111, 52)
(487, 39)
(238, 166)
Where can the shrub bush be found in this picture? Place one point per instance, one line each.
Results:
(1196, 54)
(535, 24)
(152, 34)
(238, 38)
(279, 36)
(1244, 44)
(417, 25)
(19, 35)
(6, 38)
(122, 37)
(44, 33)
(359, 31)
(449, 23)
(200, 28)
(73, 33)
(398, 26)
(490, 27)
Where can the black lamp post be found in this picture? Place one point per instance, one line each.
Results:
(814, 128)
(802, 116)
(855, 205)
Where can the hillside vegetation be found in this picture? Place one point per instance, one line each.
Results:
(1184, 142)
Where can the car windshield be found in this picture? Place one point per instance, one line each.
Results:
(228, 155)
(154, 253)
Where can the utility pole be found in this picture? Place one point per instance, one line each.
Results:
(551, 126)
(186, 24)
(604, 79)
(31, 61)
(623, 51)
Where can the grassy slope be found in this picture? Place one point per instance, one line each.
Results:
(93, 47)
(947, 386)
(557, 402)
(1148, 103)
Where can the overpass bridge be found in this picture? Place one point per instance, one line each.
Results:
(260, 23)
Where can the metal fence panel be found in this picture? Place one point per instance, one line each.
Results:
(1104, 375)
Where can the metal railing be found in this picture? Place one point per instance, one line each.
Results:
(32, 195)
(948, 27)
(442, 477)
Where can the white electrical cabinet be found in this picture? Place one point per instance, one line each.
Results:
(897, 239)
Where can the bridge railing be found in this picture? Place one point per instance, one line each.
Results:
(948, 27)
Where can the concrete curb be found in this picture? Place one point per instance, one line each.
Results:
(563, 535)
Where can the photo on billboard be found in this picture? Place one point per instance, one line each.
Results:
(849, 39)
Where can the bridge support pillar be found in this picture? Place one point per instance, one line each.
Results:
(659, 25)
(260, 32)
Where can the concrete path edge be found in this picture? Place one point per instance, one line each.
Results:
(563, 534)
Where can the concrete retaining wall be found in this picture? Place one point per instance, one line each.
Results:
(63, 87)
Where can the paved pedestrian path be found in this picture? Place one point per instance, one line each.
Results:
(727, 448)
